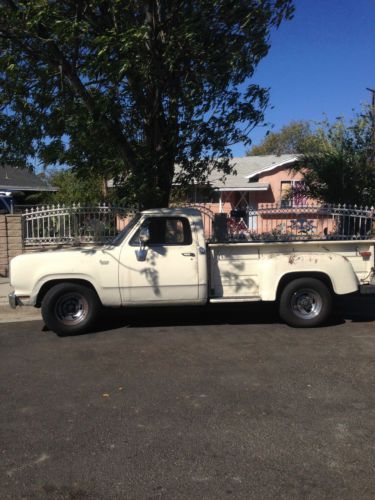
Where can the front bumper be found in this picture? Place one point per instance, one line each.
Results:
(23, 300)
(13, 302)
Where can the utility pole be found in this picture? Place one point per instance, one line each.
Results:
(372, 120)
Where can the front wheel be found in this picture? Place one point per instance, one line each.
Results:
(305, 302)
(70, 308)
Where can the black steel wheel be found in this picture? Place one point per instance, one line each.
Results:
(70, 308)
(305, 302)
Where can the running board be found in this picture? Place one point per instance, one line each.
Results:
(218, 300)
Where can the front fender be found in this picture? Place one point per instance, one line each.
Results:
(336, 267)
(43, 280)
(30, 272)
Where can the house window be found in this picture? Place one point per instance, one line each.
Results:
(293, 194)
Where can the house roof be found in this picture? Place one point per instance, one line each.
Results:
(21, 179)
(246, 168)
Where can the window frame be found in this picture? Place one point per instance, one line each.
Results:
(290, 203)
(187, 232)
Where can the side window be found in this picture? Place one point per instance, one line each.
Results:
(166, 231)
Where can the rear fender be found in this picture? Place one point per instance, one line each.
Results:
(336, 268)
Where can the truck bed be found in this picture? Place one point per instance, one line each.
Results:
(237, 269)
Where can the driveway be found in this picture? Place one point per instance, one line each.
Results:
(226, 403)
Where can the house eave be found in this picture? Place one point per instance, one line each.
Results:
(261, 187)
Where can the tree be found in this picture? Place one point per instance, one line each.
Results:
(295, 138)
(343, 171)
(74, 189)
(128, 88)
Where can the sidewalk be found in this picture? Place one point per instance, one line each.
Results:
(9, 315)
(5, 289)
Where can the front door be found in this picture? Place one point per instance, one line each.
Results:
(166, 269)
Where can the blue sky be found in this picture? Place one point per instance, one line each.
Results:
(319, 63)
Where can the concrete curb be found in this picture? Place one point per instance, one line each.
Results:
(5, 290)
(9, 315)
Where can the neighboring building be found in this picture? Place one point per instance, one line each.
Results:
(15, 180)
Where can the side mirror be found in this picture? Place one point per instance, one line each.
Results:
(144, 235)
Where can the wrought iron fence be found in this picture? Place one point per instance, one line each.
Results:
(309, 222)
(60, 224)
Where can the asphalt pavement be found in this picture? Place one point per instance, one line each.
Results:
(190, 403)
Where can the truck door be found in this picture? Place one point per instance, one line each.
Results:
(166, 269)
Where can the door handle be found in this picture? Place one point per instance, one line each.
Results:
(188, 254)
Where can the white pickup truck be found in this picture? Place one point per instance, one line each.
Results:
(162, 259)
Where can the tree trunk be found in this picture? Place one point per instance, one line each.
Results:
(104, 188)
(158, 190)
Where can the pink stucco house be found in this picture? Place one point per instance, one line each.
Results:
(265, 194)
(258, 180)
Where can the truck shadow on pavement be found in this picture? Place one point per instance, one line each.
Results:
(351, 308)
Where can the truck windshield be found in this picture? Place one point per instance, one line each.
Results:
(124, 232)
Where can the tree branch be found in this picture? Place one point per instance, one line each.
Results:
(60, 61)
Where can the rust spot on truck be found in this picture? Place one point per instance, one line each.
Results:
(294, 258)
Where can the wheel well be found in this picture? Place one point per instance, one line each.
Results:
(50, 284)
(287, 278)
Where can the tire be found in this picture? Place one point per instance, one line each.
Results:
(70, 308)
(305, 302)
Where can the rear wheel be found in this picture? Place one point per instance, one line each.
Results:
(70, 308)
(305, 302)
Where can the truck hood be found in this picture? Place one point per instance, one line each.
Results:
(27, 269)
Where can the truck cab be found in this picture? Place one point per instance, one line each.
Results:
(169, 266)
